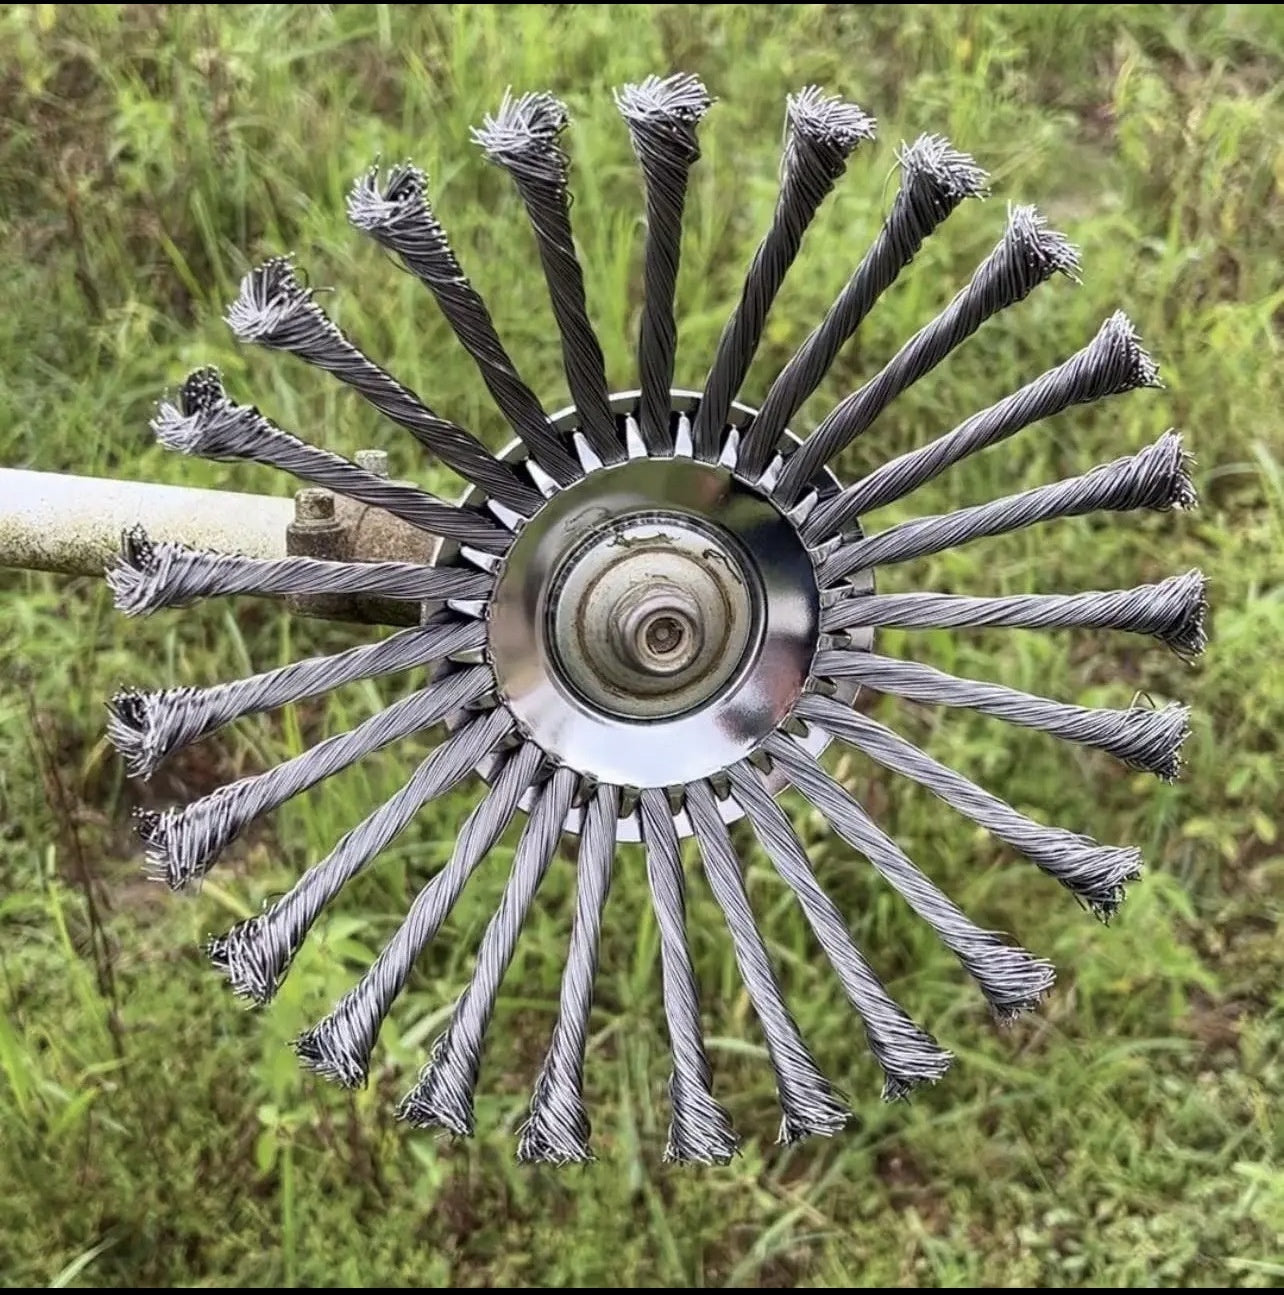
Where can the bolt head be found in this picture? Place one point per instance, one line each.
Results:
(656, 629)
(313, 505)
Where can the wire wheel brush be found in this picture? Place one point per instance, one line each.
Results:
(649, 616)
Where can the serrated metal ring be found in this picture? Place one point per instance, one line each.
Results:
(745, 529)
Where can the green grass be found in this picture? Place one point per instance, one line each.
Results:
(1129, 1133)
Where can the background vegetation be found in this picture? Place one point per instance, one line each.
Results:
(152, 1132)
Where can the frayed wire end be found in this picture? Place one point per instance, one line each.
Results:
(539, 1143)
(524, 137)
(273, 304)
(1034, 252)
(133, 728)
(1187, 632)
(1162, 735)
(1128, 366)
(421, 1109)
(204, 421)
(329, 1050)
(155, 829)
(557, 1130)
(396, 213)
(829, 123)
(137, 572)
(663, 112)
(1013, 981)
(1103, 890)
(901, 1087)
(443, 1096)
(823, 1116)
(1166, 464)
(243, 960)
(908, 1061)
(933, 167)
(700, 1131)
(183, 841)
(379, 201)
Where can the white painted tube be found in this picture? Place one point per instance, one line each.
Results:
(53, 522)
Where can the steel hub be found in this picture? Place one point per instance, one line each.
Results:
(654, 621)
(652, 614)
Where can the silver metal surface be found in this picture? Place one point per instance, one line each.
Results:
(824, 485)
(651, 615)
(751, 678)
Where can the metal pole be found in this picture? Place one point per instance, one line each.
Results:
(69, 524)
(52, 522)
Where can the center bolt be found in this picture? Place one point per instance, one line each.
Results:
(657, 629)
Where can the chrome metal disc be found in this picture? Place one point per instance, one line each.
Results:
(654, 621)
(634, 566)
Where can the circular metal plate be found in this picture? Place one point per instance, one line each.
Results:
(824, 485)
(759, 692)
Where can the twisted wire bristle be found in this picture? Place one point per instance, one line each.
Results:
(207, 423)
(662, 116)
(1095, 874)
(395, 211)
(147, 727)
(183, 843)
(700, 1129)
(809, 1103)
(1156, 478)
(1174, 611)
(822, 132)
(907, 1055)
(1145, 737)
(558, 1130)
(524, 138)
(255, 955)
(1112, 363)
(274, 309)
(935, 179)
(1027, 255)
(338, 1047)
(150, 575)
(1012, 980)
(443, 1097)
